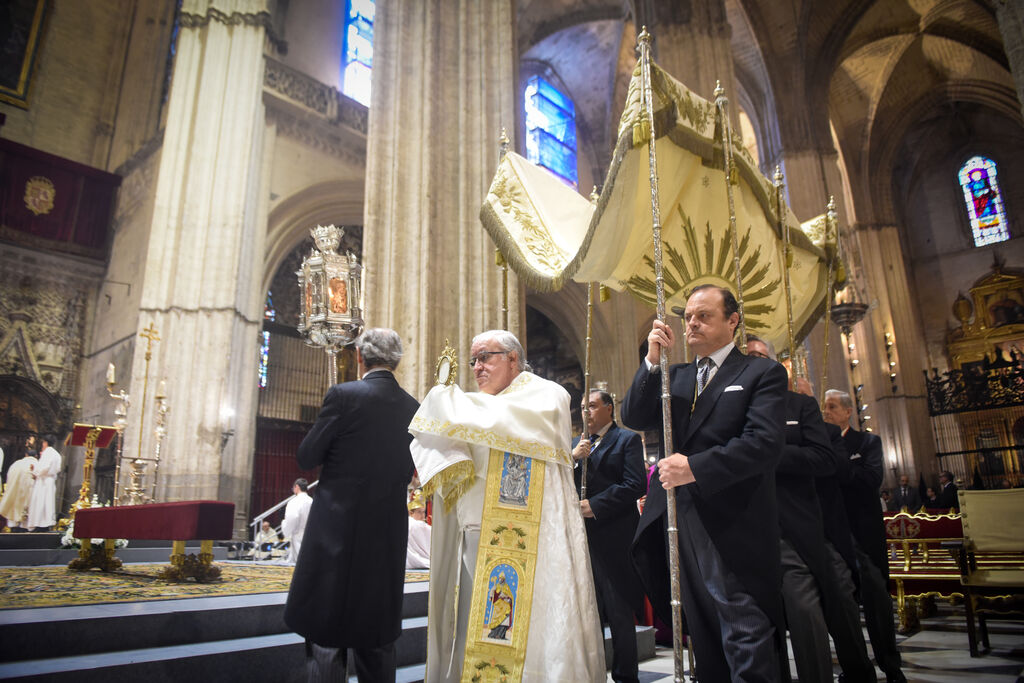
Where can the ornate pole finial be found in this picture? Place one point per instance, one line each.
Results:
(719, 91)
(644, 38)
(594, 196)
(831, 208)
(503, 143)
(778, 175)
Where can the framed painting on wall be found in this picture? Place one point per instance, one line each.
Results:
(21, 30)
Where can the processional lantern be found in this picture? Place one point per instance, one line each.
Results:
(330, 307)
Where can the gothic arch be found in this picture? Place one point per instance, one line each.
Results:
(334, 201)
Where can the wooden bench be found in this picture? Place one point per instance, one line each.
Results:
(196, 520)
(921, 567)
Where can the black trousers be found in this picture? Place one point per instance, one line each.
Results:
(618, 614)
(330, 664)
(733, 638)
(878, 617)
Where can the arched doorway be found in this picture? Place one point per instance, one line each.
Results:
(26, 408)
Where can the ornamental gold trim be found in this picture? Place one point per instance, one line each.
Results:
(483, 437)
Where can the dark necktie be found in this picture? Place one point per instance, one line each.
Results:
(703, 372)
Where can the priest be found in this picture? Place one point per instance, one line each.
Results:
(42, 508)
(511, 589)
(18, 493)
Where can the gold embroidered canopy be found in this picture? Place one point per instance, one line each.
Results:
(549, 234)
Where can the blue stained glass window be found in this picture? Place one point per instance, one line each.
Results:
(357, 52)
(551, 129)
(984, 201)
(268, 314)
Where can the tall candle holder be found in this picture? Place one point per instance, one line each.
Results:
(120, 422)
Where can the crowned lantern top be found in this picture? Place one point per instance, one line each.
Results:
(327, 237)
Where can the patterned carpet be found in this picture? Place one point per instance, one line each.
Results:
(22, 587)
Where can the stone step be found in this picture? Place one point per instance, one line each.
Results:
(27, 634)
(278, 657)
(137, 551)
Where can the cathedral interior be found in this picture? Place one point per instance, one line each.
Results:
(163, 161)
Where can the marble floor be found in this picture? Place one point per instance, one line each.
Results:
(936, 654)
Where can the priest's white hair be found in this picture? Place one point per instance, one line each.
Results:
(507, 341)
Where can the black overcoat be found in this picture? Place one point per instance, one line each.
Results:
(349, 579)
(615, 480)
(733, 440)
(806, 455)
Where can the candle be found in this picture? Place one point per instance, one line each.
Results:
(161, 389)
(110, 373)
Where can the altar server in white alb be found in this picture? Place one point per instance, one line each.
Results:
(42, 509)
(295, 515)
(418, 553)
(511, 590)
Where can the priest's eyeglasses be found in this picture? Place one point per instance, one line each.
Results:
(483, 356)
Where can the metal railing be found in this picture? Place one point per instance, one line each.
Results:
(258, 519)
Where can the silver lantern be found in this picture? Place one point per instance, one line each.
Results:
(330, 311)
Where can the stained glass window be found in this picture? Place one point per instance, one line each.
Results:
(357, 51)
(984, 201)
(268, 314)
(551, 129)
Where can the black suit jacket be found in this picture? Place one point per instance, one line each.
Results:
(860, 493)
(911, 501)
(733, 440)
(349, 579)
(833, 506)
(948, 499)
(807, 454)
(615, 480)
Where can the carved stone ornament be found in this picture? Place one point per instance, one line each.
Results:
(39, 195)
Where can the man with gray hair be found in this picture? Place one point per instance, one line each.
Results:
(349, 580)
(510, 578)
(860, 493)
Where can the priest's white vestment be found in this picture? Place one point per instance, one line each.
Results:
(455, 433)
(42, 509)
(14, 504)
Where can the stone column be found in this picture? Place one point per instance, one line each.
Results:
(692, 43)
(443, 87)
(900, 417)
(1010, 15)
(201, 278)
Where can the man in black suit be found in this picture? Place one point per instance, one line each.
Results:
(615, 480)
(860, 493)
(727, 417)
(811, 589)
(348, 584)
(948, 500)
(906, 496)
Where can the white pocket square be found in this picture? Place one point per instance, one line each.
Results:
(733, 387)
(792, 422)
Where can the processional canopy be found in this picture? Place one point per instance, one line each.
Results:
(550, 234)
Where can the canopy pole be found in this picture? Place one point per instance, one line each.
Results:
(499, 257)
(644, 40)
(586, 387)
(731, 178)
(787, 263)
(831, 232)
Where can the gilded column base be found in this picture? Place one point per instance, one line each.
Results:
(90, 556)
(184, 567)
